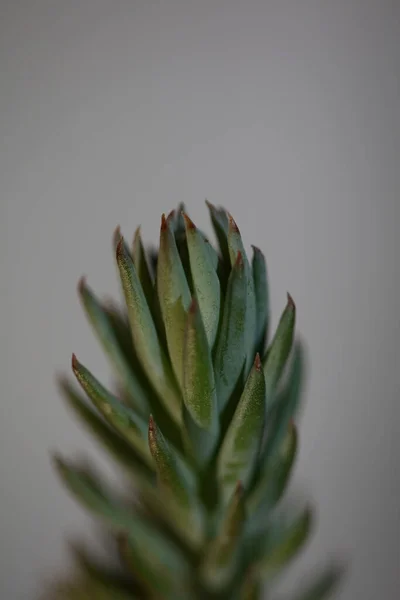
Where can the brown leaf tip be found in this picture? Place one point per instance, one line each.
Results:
(232, 224)
(74, 362)
(164, 224)
(120, 247)
(257, 362)
(189, 223)
(171, 215)
(290, 301)
(82, 284)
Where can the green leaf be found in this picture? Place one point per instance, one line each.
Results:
(260, 278)
(273, 482)
(279, 350)
(235, 245)
(118, 448)
(174, 297)
(322, 586)
(205, 279)
(103, 326)
(145, 338)
(142, 266)
(230, 346)
(164, 574)
(176, 479)
(287, 404)
(129, 424)
(221, 557)
(160, 554)
(238, 455)
(199, 393)
(287, 547)
(220, 223)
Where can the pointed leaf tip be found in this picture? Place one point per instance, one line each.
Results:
(290, 301)
(82, 284)
(233, 224)
(120, 247)
(257, 362)
(188, 222)
(164, 223)
(74, 362)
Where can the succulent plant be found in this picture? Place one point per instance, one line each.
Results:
(202, 422)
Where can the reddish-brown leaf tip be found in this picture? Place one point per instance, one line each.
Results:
(232, 224)
(81, 284)
(120, 247)
(188, 222)
(290, 301)
(171, 215)
(74, 362)
(164, 224)
(257, 362)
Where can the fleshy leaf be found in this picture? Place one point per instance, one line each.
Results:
(205, 280)
(230, 346)
(199, 393)
(239, 452)
(322, 586)
(221, 557)
(175, 477)
(286, 405)
(103, 327)
(260, 278)
(145, 338)
(279, 350)
(220, 223)
(235, 245)
(174, 296)
(141, 534)
(287, 547)
(129, 424)
(273, 483)
(141, 265)
(115, 444)
(162, 572)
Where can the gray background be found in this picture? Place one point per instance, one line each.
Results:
(287, 113)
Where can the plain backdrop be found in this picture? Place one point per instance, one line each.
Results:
(287, 113)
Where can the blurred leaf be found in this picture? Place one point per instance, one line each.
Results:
(272, 483)
(287, 547)
(121, 451)
(221, 557)
(176, 479)
(286, 405)
(279, 350)
(129, 424)
(174, 297)
(199, 393)
(163, 572)
(105, 331)
(322, 586)
(145, 337)
(237, 458)
(260, 278)
(205, 280)
(230, 346)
